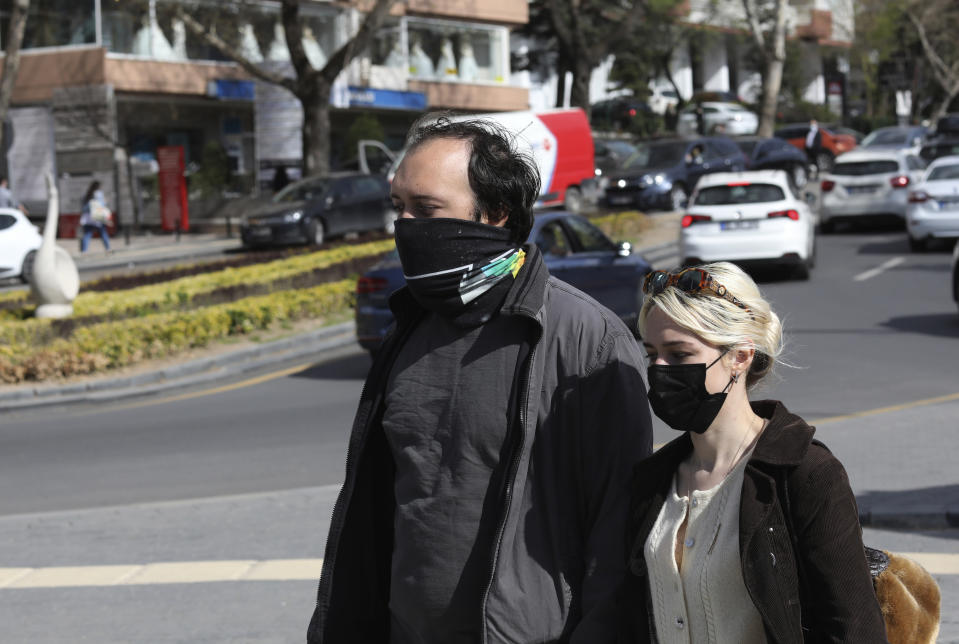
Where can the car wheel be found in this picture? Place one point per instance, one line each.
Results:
(389, 221)
(678, 197)
(574, 200)
(800, 176)
(315, 232)
(801, 271)
(917, 245)
(26, 271)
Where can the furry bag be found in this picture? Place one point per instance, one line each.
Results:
(908, 596)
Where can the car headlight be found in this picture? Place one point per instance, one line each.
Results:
(658, 179)
(621, 183)
(292, 217)
(648, 179)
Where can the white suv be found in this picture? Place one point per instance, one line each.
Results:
(718, 118)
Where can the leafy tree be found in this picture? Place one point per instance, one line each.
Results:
(311, 86)
(583, 33)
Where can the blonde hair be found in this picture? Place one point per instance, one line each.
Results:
(721, 323)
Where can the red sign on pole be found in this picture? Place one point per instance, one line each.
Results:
(173, 204)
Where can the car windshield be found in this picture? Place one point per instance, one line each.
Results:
(739, 194)
(657, 155)
(620, 148)
(942, 172)
(886, 137)
(862, 168)
(301, 190)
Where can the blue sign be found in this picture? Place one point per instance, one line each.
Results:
(241, 90)
(387, 99)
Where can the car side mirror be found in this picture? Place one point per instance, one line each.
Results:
(624, 249)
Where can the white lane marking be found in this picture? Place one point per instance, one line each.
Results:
(885, 266)
(172, 572)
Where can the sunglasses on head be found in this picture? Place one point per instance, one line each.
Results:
(689, 280)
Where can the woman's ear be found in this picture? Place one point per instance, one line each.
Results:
(742, 358)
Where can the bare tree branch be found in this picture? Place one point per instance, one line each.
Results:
(359, 42)
(209, 35)
(11, 60)
(755, 28)
(944, 74)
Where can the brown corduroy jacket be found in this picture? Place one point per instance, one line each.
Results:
(796, 499)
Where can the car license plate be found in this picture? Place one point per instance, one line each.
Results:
(861, 190)
(949, 204)
(745, 224)
(620, 199)
(260, 231)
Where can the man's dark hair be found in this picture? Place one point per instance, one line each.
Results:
(505, 181)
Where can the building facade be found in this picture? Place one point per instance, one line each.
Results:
(104, 84)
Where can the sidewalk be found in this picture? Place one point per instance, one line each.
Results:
(147, 249)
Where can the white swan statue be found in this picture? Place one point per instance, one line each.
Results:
(54, 281)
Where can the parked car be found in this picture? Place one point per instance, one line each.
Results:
(933, 209)
(617, 113)
(842, 129)
(663, 173)
(19, 242)
(774, 154)
(833, 143)
(895, 136)
(955, 274)
(610, 154)
(939, 147)
(574, 250)
(735, 118)
(869, 183)
(755, 217)
(316, 208)
(661, 97)
(947, 126)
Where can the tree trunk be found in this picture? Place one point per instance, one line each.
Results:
(774, 78)
(11, 61)
(316, 129)
(579, 96)
(951, 93)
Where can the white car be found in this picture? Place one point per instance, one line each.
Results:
(955, 274)
(868, 183)
(749, 218)
(933, 209)
(661, 97)
(718, 118)
(19, 242)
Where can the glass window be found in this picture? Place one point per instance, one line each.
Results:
(301, 190)
(943, 172)
(732, 195)
(862, 168)
(54, 23)
(552, 240)
(915, 163)
(591, 239)
(6, 221)
(449, 51)
(656, 156)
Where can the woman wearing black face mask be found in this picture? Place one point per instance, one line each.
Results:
(743, 529)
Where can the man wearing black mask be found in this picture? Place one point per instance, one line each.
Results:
(486, 481)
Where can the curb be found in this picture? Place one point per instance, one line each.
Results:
(200, 371)
(939, 519)
(118, 261)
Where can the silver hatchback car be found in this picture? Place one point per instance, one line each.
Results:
(868, 184)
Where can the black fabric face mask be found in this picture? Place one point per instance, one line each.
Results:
(457, 268)
(677, 394)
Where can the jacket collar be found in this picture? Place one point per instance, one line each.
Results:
(783, 443)
(525, 297)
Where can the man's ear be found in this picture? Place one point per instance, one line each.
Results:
(498, 218)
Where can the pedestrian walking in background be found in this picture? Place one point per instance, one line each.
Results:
(813, 145)
(7, 200)
(700, 120)
(745, 528)
(94, 217)
(487, 478)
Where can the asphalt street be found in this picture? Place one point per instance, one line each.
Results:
(202, 517)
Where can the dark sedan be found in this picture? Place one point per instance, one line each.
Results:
(315, 208)
(662, 174)
(575, 251)
(775, 154)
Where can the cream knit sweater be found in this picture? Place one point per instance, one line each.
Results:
(707, 600)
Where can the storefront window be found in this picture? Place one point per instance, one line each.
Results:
(456, 52)
(130, 27)
(53, 23)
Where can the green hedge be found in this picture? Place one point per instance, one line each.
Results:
(119, 343)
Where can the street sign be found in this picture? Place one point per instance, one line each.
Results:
(173, 202)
